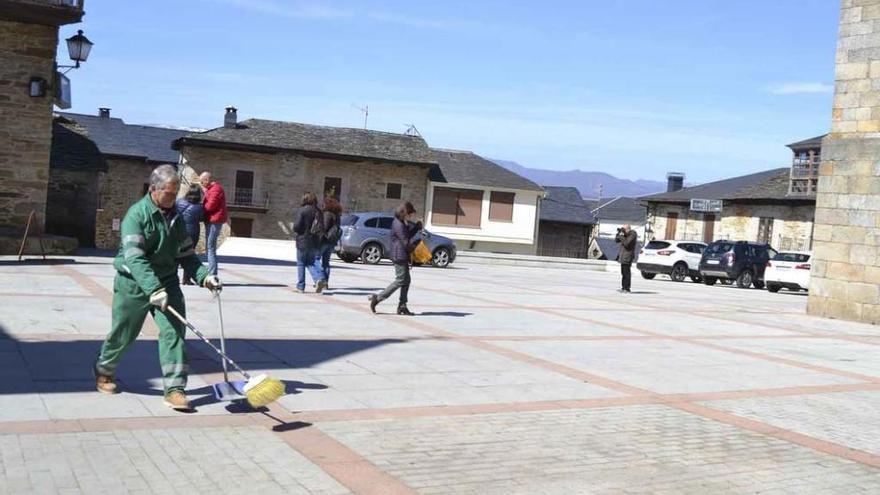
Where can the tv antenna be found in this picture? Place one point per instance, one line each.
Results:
(366, 112)
(412, 131)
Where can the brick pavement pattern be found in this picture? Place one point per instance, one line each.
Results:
(510, 380)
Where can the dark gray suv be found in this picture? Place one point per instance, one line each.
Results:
(368, 236)
(741, 261)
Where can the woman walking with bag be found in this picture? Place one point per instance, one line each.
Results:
(332, 233)
(192, 212)
(404, 238)
(309, 229)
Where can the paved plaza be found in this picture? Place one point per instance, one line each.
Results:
(510, 380)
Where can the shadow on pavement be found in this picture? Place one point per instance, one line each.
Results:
(444, 313)
(63, 366)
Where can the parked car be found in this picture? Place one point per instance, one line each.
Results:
(678, 259)
(368, 236)
(788, 270)
(741, 261)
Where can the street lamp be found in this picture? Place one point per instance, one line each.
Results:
(78, 47)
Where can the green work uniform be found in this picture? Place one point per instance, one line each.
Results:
(153, 246)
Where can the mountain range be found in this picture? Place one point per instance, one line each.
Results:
(586, 182)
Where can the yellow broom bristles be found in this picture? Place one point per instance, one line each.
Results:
(264, 391)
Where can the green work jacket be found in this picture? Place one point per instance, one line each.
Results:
(152, 248)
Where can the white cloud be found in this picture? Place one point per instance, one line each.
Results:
(797, 88)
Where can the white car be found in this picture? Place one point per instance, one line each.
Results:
(678, 259)
(788, 270)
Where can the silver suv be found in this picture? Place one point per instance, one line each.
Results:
(368, 236)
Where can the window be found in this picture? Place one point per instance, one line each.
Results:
(373, 223)
(348, 219)
(385, 222)
(457, 207)
(393, 191)
(792, 257)
(501, 206)
(332, 187)
(244, 188)
(765, 230)
(657, 245)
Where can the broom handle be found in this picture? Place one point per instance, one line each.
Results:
(222, 336)
(201, 336)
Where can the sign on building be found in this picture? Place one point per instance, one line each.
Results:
(706, 205)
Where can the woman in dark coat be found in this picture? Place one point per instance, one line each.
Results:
(332, 233)
(191, 212)
(404, 239)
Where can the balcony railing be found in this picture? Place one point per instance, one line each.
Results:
(804, 171)
(249, 198)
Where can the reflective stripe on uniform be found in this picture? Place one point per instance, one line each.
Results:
(175, 368)
(134, 239)
(132, 252)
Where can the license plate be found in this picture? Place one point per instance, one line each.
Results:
(713, 262)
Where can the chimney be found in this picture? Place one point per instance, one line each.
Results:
(674, 181)
(104, 113)
(231, 118)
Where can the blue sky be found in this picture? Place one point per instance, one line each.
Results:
(634, 88)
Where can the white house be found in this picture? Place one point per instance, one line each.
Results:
(481, 205)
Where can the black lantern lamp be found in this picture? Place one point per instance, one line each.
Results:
(78, 47)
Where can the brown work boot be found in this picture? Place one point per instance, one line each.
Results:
(105, 383)
(177, 400)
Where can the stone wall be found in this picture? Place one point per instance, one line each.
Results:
(27, 50)
(845, 276)
(285, 177)
(118, 188)
(71, 204)
(792, 225)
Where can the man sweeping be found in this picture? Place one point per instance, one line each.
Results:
(154, 244)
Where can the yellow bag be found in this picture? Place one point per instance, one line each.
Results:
(421, 254)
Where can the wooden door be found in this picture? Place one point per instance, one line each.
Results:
(708, 228)
(241, 227)
(671, 225)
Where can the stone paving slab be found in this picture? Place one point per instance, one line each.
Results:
(826, 416)
(639, 449)
(207, 460)
(839, 354)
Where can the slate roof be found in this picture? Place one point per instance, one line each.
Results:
(115, 137)
(465, 167)
(622, 209)
(564, 204)
(770, 184)
(814, 142)
(73, 150)
(273, 135)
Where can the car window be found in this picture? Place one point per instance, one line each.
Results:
(385, 222)
(684, 246)
(657, 245)
(699, 248)
(348, 220)
(792, 257)
(373, 222)
(719, 248)
(770, 253)
(753, 253)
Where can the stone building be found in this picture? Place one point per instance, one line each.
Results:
(756, 207)
(566, 223)
(129, 153)
(845, 281)
(265, 167)
(482, 205)
(28, 43)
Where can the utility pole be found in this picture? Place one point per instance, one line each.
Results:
(366, 111)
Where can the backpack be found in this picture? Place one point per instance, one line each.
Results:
(317, 228)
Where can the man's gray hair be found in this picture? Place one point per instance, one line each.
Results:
(162, 175)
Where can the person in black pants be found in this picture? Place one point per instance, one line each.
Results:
(404, 239)
(627, 238)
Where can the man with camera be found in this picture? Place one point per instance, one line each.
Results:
(627, 238)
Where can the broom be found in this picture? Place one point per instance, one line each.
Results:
(260, 390)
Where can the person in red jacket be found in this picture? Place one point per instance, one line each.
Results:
(215, 216)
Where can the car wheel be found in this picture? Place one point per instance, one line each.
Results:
(679, 272)
(696, 279)
(773, 288)
(348, 258)
(371, 253)
(709, 280)
(744, 281)
(648, 275)
(441, 257)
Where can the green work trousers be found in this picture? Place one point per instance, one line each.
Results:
(130, 308)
